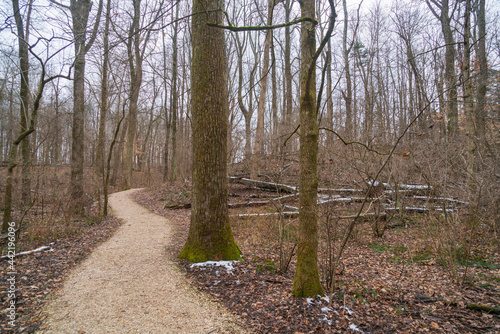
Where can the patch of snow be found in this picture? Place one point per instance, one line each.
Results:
(355, 328)
(326, 309)
(310, 301)
(347, 309)
(326, 298)
(415, 186)
(447, 210)
(226, 264)
(325, 319)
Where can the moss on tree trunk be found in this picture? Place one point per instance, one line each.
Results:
(210, 236)
(306, 282)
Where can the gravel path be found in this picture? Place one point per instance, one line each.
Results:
(129, 284)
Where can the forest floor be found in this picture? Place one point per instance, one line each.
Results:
(392, 284)
(386, 285)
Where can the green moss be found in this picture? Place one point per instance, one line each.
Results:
(196, 252)
(306, 281)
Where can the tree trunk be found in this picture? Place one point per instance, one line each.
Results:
(166, 113)
(469, 113)
(175, 97)
(258, 146)
(306, 281)
(79, 13)
(274, 105)
(450, 76)
(135, 64)
(101, 139)
(480, 113)
(348, 94)
(329, 100)
(288, 105)
(210, 236)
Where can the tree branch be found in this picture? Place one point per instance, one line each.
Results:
(260, 28)
(353, 142)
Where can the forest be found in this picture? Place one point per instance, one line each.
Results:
(343, 155)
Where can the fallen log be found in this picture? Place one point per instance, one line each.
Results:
(470, 306)
(290, 214)
(278, 200)
(335, 191)
(484, 308)
(272, 214)
(247, 204)
(265, 185)
(178, 206)
(443, 199)
(417, 209)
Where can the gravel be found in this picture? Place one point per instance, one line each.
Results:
(130, 284)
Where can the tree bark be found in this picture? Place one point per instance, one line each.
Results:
(80, 10)
(306, 281)
(469, 114)
(347, 69)
(480, 112)
(288, 100)
(210, 236)
(450, 76)
(135, 64)
(99, 158)
(258, 146)
(175, 97)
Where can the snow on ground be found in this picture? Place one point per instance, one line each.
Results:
(327, 313)
(227, 264)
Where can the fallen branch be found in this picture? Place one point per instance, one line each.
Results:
(39, 249)
(444, 199)
(484, 308)
(330, 190)
(470, 306)
(290, 214)
(286, 214)
(265, 185)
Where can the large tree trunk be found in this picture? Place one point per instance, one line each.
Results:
(80, 12)
(210, 236)
(306, 281)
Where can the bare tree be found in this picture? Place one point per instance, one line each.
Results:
(306, 282)
(29, 127)
(80, 10)
(175, 94)
(442, 13)
(480, 112)
(99, 159)
(258, 147)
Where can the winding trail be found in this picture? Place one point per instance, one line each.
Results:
(129, 284)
